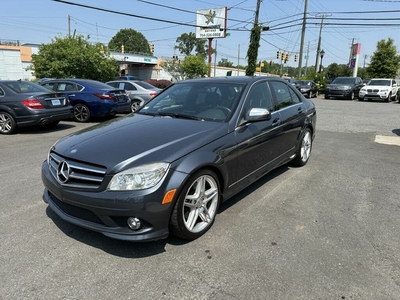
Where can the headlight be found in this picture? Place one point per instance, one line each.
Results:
(363, 90)
(138, 178)
(384, 90)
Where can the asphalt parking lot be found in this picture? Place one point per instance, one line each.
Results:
(329, 230)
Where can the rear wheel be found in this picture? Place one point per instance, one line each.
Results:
(81, 113)
(196, 208)
(303, 152)
(7, 123)
(135, 105)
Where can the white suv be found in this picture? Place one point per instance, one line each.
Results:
(379, 89)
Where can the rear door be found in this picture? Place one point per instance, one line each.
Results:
(292, 113)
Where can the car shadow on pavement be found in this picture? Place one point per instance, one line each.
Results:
(396, 131)
(45, 129)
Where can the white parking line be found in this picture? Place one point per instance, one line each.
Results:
(388, 140)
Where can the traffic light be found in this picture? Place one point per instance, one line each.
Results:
(287, 57)
(151, 47)
(284, 56)
(278, 54)
(102, 49)
(296, 57)
(122, 49)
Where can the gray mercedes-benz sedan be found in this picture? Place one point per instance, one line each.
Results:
(167, 167)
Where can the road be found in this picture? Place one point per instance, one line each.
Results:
(329, 230)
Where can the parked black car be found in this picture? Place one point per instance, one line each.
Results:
(293, 82)
(91, 98)
(308, 88)
(167, 167)
(344, 87)
(23, 103)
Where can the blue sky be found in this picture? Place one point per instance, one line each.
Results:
(38, 21)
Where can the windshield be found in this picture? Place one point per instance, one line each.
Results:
(340, 80)
(379, 82)
(304, 82)
(213, 101)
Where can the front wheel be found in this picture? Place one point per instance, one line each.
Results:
(7, 123)
(351, 97)
(196, 208)
(81, 113)
(303, 152)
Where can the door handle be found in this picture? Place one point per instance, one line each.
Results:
(276, 122)
(299, 110)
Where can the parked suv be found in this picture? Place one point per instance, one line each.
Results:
(379, 89)
(344, 87)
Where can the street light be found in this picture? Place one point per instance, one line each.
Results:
(321, 53)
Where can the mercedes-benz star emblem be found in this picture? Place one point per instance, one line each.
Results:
(63, 172)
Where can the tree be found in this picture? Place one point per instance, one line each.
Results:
(74, 57)
(133, 42)
(194, 66)
(252, 52)
(225, 63)
(385, 62)
(174, 68)
(187, 43)
(335, 70)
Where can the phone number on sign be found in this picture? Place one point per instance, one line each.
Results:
(208, 35)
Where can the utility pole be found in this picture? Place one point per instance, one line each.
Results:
(69, 25)
(308, 52)
(252, 51)
(215, 57)
(238, 69)
(319, 44)
(303, 32)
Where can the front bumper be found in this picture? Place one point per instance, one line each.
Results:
(338, 93)
(107, 211)
(373, 96)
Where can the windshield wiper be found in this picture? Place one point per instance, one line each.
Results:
(175, 115)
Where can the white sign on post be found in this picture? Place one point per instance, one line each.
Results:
(211, 23)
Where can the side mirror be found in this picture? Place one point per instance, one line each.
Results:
(256, 115)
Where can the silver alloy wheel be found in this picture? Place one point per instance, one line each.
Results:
(200, 204)
(135, 105)
(7, 123)
(81, 113)
(305, 149)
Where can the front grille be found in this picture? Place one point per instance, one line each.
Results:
(75, 211)
(80, 175)
(372, 90)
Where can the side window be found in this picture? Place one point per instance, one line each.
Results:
(295, 98)
(259, 97)
(130, 87)
(49, 86)
(282, 94)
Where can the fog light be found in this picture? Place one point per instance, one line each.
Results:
(134, 223)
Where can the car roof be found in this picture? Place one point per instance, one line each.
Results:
(231, 79)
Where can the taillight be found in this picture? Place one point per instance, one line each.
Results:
(153, 94)
(104, 96)
(33, 103)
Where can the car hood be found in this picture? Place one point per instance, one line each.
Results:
(377, 87)
(138, 139)
(340, 86)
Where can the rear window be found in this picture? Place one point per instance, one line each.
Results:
(21, 87)
(145, 85)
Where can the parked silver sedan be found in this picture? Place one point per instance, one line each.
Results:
(139, 91)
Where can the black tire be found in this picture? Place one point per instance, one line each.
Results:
(326, 97)
(81, 113)
(389, 98)
(135, 104)
(7, 123)
(196, 208)
(351, 97)
(303, 151)
(309, 95)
